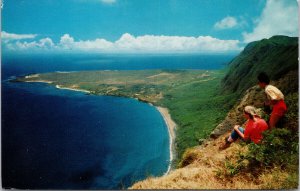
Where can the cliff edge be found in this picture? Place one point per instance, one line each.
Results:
(271, 165)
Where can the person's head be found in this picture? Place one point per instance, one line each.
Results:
(250, 112)
(263, 79)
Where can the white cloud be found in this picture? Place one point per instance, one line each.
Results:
(42, 44)
(98, 44)
(12, 36)
(131, 44)
(278, 18)
(46, 43)
(68, 43)
(151, 43)
(226, 23)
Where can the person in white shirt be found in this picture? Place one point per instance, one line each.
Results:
(275, 99)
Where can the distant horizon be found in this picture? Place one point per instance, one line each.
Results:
(9, 54)
(143, 26)
(16, 65)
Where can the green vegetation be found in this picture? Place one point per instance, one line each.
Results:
(196, 105)
(278, 152)
(197, 109)
(190, 95)
(275, 56)
(279, 147)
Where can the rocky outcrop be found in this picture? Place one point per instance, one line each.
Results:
(201, 167)
(255, 96)
(276, 56)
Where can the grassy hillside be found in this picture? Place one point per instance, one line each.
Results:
(196, 105)
(197, 109)
(276, 56)
(274, 163)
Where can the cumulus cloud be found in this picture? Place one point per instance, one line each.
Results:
(128, 43)
(278, 18)
(46, 43)
(12, 36)
(151, 43)
(68, 43)
(226, 23)
(42, 44)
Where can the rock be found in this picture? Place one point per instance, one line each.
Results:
(200, 141)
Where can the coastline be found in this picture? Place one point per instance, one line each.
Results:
(28, 78)
(51, 82)
(171, 125)
(72, 89)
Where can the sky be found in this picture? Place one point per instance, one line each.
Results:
(143, 26)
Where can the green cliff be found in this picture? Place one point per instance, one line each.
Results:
(274, 163)
(198, 101)
(276, 56)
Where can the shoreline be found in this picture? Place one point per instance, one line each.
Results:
(171, 126)
(72, 89)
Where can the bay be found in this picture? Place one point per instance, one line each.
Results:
(62, 139)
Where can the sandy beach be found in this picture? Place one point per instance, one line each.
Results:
(171, 125)
(40, 81)
(171, 129)
(31, 78)
(57, 86)
(73, 89)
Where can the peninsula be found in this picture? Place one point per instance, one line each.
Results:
(198, 102)
(188, 96)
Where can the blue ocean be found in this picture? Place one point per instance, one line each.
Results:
(63, 139)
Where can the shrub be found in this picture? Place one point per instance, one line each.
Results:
(278, 147)
(291, 118)
(189, 156)
(277, 153)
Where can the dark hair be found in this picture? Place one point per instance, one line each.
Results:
(263, 77)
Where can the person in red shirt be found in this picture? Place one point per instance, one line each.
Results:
(252, 131)
(275, 99)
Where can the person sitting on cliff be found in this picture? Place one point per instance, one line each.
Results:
(275, 99)
(253, 128)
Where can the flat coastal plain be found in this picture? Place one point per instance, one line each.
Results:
(179, 95)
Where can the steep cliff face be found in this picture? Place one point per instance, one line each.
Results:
(255, 96)
(205, 166)
(200, 172)
(276, 56)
